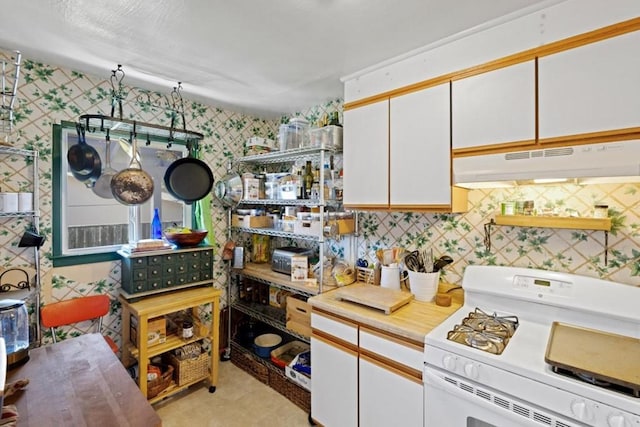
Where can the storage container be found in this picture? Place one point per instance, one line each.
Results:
(295, 375)
(326, 137)
(294, 135)
(285, 354)
(250, 221)
(189, 370)
(288, 191)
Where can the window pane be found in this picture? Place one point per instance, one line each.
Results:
(93, 221)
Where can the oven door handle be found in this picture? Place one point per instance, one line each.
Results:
(432, 380)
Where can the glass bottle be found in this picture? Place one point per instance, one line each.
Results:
(156, 225)
(334, 121)
(308, 179)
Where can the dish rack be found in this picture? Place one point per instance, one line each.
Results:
(8, 90)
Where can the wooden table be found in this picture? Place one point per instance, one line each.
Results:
(79, 382)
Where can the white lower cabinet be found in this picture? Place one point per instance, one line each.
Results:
(364, 377)
(388, 397)
(334, 388)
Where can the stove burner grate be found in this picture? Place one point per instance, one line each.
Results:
(598, 382)
(487, 332)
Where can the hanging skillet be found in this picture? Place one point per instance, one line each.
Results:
(132, 186)
(188, 179)
(84, 160)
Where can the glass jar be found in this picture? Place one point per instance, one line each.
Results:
(187, 329)
(601, 211)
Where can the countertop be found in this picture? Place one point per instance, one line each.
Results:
(412, 321)
(79, 382)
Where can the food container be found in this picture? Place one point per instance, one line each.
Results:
(261, 248)
(299, 370)
(288, 191)
(271, 190)
(284, 355)
(294, 135)
(326, 137)
(601, 211)
(508, 208)
(288, 225)
(265, 343)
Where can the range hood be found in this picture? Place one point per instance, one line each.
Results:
(583, 164)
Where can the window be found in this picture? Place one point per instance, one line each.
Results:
(88, 224)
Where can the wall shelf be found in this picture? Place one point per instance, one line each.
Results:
(573, 223)
(569, 223)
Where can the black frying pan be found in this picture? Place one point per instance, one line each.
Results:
(83, 158)
(188, 179)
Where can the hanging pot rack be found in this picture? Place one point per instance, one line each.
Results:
(119, 126)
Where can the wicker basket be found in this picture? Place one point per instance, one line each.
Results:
(154, 387)
(247, 362)
(291, 391)
(190, 370)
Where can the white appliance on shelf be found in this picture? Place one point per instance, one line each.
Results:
(471, 387)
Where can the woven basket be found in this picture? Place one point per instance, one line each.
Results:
(293, 392)
(154, 387)
(247, 362)
(190, 370)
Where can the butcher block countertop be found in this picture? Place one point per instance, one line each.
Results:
(412, 321)
(79, 382)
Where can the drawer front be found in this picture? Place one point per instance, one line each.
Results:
(169, 281)
(392, 348)
(182, 279)
(206, 275)
(154, 284)
(154, 260)
(193, 276)
(338, 328)
(137, 286)
(138, 262)
(139, 274)
(154, 272)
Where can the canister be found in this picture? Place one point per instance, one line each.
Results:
(600, 211)
(25, 202)
(508, 208)
(8, 202)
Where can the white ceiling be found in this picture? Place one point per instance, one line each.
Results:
(260, 57)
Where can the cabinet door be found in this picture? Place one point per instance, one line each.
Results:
(366, 155)
(495, 107)
(388, 398)
(334, 386)
(591, 88)
(420, 148)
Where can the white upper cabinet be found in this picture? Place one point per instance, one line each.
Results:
(495, 107)
(420, 148)
(366, 155)
(593, 88)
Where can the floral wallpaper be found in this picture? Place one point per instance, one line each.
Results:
(49, 94)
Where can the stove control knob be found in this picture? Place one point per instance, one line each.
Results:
(449, 362)
(471, 370)
(617, 420)
(581, 410)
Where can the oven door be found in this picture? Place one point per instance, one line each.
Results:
(454, 401)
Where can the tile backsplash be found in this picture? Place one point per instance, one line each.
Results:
(462, 236)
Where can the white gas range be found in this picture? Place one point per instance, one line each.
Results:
(473, 387)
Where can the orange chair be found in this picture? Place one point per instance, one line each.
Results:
(77, 310)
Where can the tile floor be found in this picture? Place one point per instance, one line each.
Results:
(239, 401)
